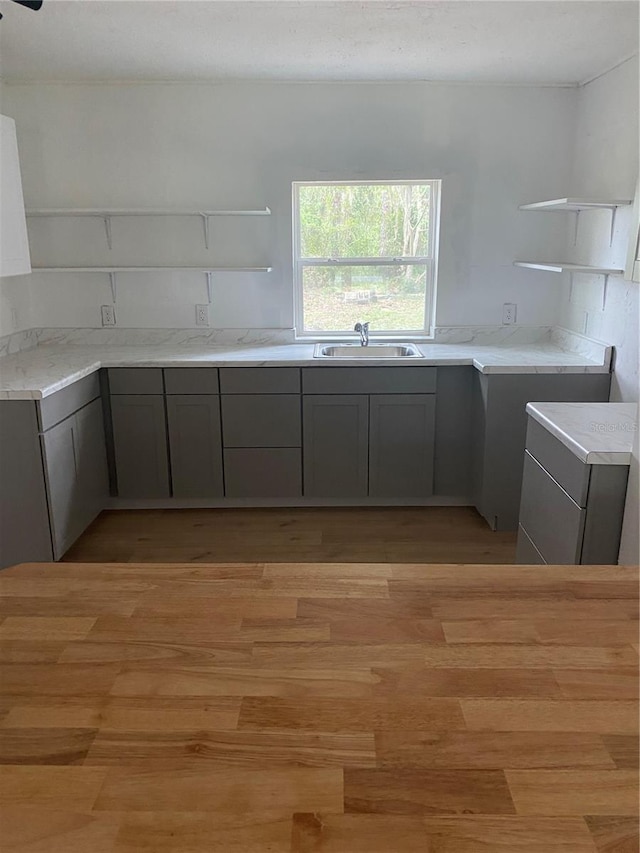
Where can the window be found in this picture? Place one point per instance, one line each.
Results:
(365, 252)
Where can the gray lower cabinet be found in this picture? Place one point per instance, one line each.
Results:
(24, 517)
(195, 445)
(499, 428)
(401, 445)
(336, 445)
(570, 512)
(140, 445)
(74, 457)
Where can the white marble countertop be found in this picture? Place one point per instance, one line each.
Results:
(597, 433)
(39, 372)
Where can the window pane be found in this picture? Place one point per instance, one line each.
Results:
(368, 221)
(391, 298)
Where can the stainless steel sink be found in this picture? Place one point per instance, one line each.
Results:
(370, 351)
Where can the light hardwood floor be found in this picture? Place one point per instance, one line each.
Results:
(340, 708)
(398, 535)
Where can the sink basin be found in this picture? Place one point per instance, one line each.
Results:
(370, 351)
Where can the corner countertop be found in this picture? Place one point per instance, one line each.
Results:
(597, 433)
(36, 373)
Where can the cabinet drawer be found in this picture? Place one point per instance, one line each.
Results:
(553, 521)
(135, 380)
(559, 461)
(191, 380)
(261, 420)
(526, 552)
(369, 380)
(63, 403)
(260, 380)
(263, 473)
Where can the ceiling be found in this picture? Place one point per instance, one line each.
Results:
(495, 41)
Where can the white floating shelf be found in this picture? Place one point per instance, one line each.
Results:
(152, 269)
(575, 205)
(563, 267)
(157, 211)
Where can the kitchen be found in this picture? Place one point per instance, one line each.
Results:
(160, 325)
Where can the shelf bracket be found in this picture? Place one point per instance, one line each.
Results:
(604, 290)
(107, 228)
(570, 287)
(614, 211)
(205, 226)
(113, 283)
(575, 227)
(208, 274)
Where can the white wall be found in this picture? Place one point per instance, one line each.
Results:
(241, 144)
(606, 165)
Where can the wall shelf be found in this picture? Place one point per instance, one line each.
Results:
(551, 266)
(577, 205)
(113, 271)
(107, 213)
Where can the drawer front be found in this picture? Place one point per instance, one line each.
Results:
(63, 403)
(553, 521)
(559, 461)
(526, 552)
(369, 380)
(135, 380)
(260, 380)
(191, 380)
(261, 420)
(263, 473)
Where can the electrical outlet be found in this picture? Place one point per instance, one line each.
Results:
(509, 310)
(108, 315)
(202, 315)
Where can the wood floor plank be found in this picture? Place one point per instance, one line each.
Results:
(197, 604)
(113, 629)
(131, 714)
(495, 656)
(246, 681)
(48, 745)
(46, 629)
(614, 834)
(156, 655)
(197, 832)
(57, 679)
(28, 651)
(34, 829)
(584, 632)
(284, 630)
(266, 794)
(620, 682)
(421, 680)
(624, 750)
(411, 791)
(491, 631)
(250, 749)
(348, 715)
(529, 607)
(619, 717)
(367, 629)
(374, 833)
(67, 788)
(574, 792)
(325, 655)
(339, 609)
(480, 750)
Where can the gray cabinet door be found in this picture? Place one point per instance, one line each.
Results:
(60, 465)
(401, 442)
(195, 445)
(336, 445)
(140, 445)
(91, 462)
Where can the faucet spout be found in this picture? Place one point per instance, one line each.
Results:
(363, 329)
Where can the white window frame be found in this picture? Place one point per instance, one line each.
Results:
(429, 261)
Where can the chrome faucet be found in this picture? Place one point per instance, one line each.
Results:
(363, 328)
